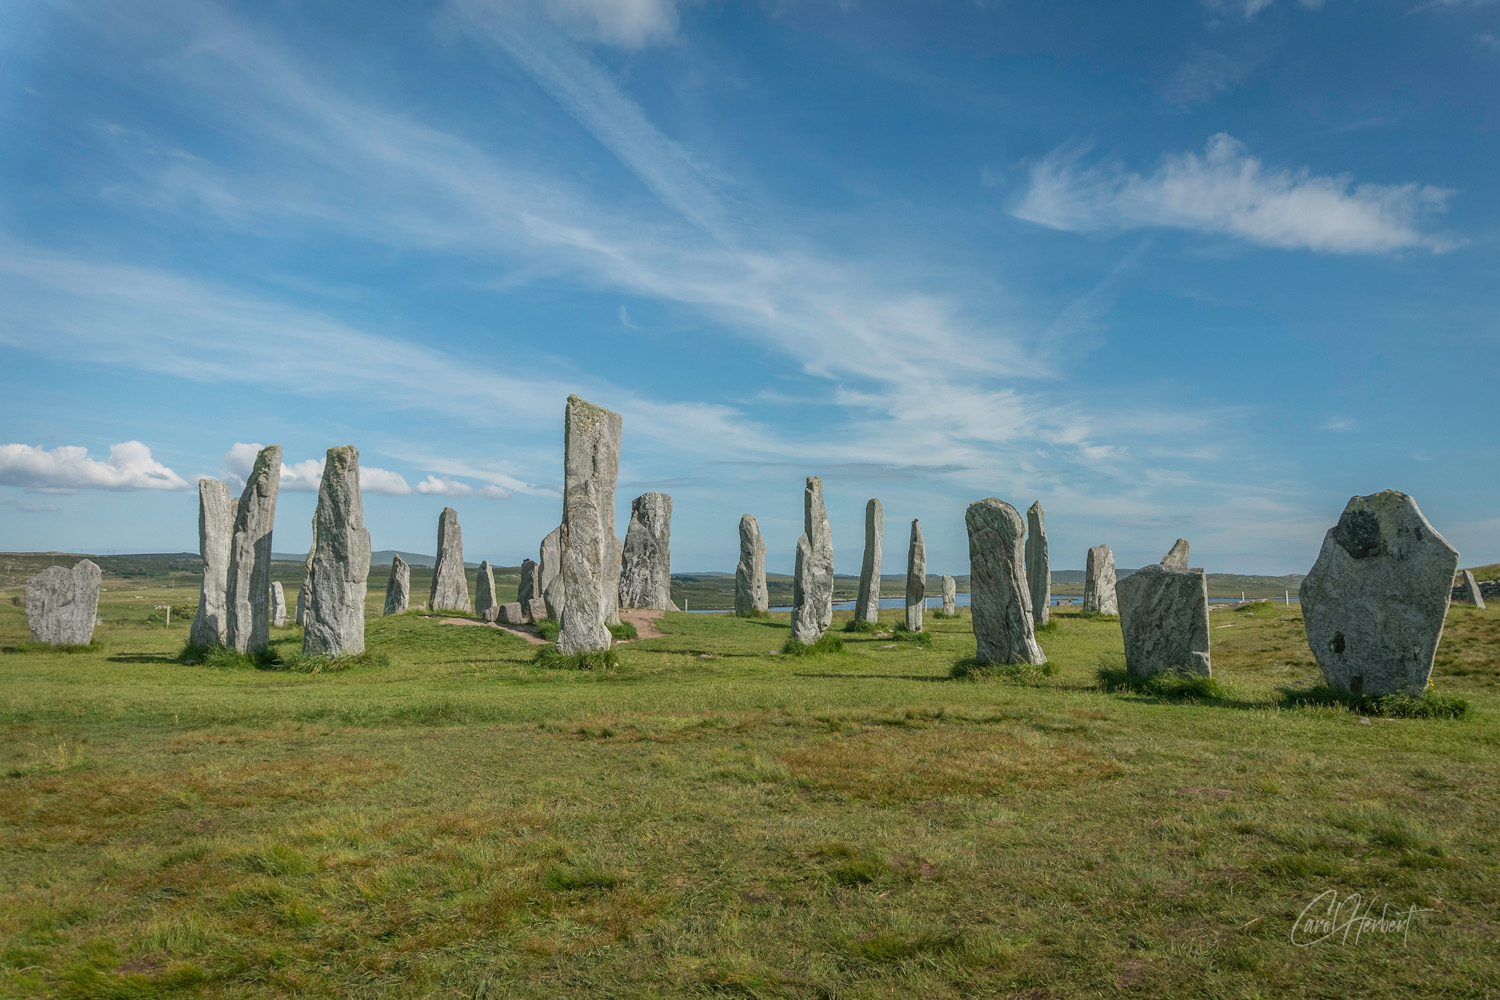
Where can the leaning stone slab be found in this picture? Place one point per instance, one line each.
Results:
(248, 596)
(63, 604)
(398, 587)
(215, 529)
(1164, 618)
(1374, 602)
(485, 605)
(812, 582)
(999, 599)
(867, 604)
(509, 614)
(339, 566)
(591, 553)
(750, 594)
(950, 595)
(450, 584)
(1472, 591)
(646, 573)
(528, 588)
(278, 604)
(549, 579)
(1038, 567)
(1099, 582)
(534, 610)
(916, 578)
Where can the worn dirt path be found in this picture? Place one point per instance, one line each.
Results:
(644, 621)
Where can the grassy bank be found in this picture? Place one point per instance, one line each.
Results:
(713, 818)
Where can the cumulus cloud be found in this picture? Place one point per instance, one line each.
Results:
(68, 469)
(444, 487)
(305, 476)
(1230, 192)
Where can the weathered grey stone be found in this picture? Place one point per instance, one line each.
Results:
(646, 574)
(1472, 591)
(750, 594)
(590, 551)
(867, 603)
(450, 583)
(549, 579)
(62, 604)
(303, 593)
(812, 584)
(916, 578)
(1038, 567)
(278, 604)
(338, 568)
(513, 613)
(1164, 617)
(999, 600)
(1099, 582)
(215, 529)
(248, 596)
(527, 588)
(485, 605)
(950, 595)
(1374, 602)
(534, 610)
(398, 587)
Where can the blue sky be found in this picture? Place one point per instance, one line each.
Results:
(1202, 268)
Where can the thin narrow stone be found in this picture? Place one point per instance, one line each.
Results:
(812, 585)
(867, 604)
(450, 584)
(485, 605)
(916, 578)
(215, 530)
(950, 595)
(1471, 588)
(1099, 582)
(591, 554)
(278, 604)
(750, 595)
(398, 587)
(1038, 567)
(248, 595)
(549, 580)
(527, 588)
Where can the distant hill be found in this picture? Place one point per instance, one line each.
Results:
(381, 557)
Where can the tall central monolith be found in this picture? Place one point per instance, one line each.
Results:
(916, 578)
(867, 603)
(215, 530)
(450, 584)
(590, 551)
(338, 571)
(812, 582)
(248, 595)
(999, 600)
(750, 595)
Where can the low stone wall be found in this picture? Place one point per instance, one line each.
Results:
(1488, 589)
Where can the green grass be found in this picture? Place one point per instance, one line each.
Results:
(1168, 684)
(1391, 706)
(900, 633)
(859, 625)
(624, 630)
(827, 643)
(709, 818)
(553, 659)
(547, 629)
(969, 668)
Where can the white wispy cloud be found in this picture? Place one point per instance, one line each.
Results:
(443, 487)
(627, 23)
(1204, 75)
(29, 508)
(68, 469)
(1339, 423)
(1227, 191)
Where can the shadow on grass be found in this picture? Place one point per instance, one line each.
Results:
(925, 678)
(550, 658)
(271, 658)
(141, 658)
(970, 669)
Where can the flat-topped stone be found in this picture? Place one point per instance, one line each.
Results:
(646, 571)
(1099, 582)
(215, 531)
(278, 604)
(509, 614)
(62, 604)
(1374, 603)
(534, 610)
(950, 595)
(1164, 617)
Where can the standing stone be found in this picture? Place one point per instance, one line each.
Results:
(1164, 617)
(1177, 557)
(812, 584)
(950, 596)
(1472, 591)
(750, 594)
(916, 578)
(215, 528)
(1038, 567)
(1099, 582)
(338, 569)
(485, 605)
(528, 588)
(999, 599)
(1374, 602)
(646, 576)
(278, 604)
(302, 594)
(548, 577)
(534, 610)
(398, 587)
(305, 594)
(590, 551)
(450, 584)
(62, 604)
(248, 596)
(867, 605)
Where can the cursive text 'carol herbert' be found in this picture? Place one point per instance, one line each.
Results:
(1329, 917)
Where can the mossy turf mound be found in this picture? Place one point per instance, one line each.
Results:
(1169, 686)
(829, 643)
(970, 669)
(1390, 706)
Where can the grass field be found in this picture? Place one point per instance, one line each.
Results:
(713, 820)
